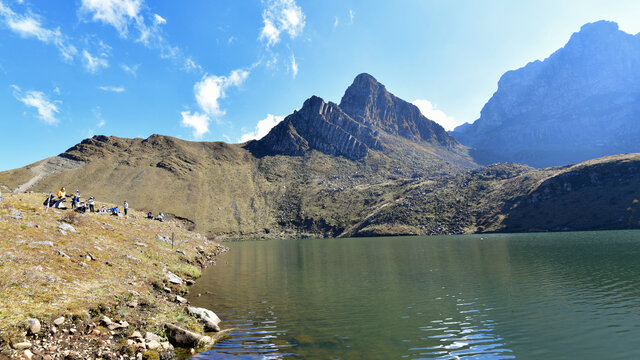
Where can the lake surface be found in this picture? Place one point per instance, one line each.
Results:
(515, 296)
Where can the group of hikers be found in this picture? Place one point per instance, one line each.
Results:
(89, 204)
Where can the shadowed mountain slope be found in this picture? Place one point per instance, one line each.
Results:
(580, 103)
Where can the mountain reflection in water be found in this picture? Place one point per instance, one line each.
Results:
(525, 296)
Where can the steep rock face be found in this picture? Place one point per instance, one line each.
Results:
(354, 127)
(320, 126)
(581, 102)
(368, 102)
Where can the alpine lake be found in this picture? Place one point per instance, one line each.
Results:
(572, 295)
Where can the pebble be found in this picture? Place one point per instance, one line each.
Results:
(22, 346)
(153, 345)
(33, 326)
(28, 354)
(180, 299)
(59, 321)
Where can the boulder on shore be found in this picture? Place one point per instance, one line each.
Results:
(180, 337)
(209, 318)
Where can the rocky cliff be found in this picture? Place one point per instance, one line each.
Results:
(580, 103)
(368, 118)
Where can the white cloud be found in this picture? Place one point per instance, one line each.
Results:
(432, 113)
(116, 89)
(47, 109)
(281, 16)
(208, 92)
(212, 88)
(93, 63)
(30, 26)
(335, 22)
(133, 70)
(190, 65)
(101, 123)
(117, 13)
(159, 20)
(294, 66)
(199, 122)
(351, 15)
(56, 90)
(262, 128)
(125, 15)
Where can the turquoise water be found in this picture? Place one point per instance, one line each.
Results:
(524, 296)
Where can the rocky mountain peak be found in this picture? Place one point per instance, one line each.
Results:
(352, 128)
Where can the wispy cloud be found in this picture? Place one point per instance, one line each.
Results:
(132, 16)
(281, 16)
(336, 22)
(30, 26)
(433, 113)
(294, 66)
(46, 108)
(131, 70)
(262, 128)
(93, 63)
(208, 92)
(351, 16)
(117, 13)
(115, 89)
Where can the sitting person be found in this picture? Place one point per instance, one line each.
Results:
(103, 209)
(114, 211)
(61, 193)
(149, 215)
(160, 217)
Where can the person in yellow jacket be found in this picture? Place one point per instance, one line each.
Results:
(61, 193)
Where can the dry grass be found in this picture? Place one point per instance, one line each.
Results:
(37, 281)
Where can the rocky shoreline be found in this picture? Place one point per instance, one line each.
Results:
(90, 286)
(99, 336)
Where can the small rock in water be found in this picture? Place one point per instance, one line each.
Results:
(180, 299)
(180, 337)
(209, 318)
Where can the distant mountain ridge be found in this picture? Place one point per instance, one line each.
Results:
(580, 103)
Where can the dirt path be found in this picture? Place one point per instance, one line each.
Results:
(46, 168)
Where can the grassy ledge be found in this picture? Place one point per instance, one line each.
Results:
(110, 266)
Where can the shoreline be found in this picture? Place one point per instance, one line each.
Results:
(106, 287)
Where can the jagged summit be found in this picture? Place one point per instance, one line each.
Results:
(366, 114)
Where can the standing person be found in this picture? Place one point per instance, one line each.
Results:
(76, 199)
(91, 202)
(126, 208)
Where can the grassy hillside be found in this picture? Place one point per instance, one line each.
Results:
(82, 266)
(408, 189)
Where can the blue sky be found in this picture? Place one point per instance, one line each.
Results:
(229, 70)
